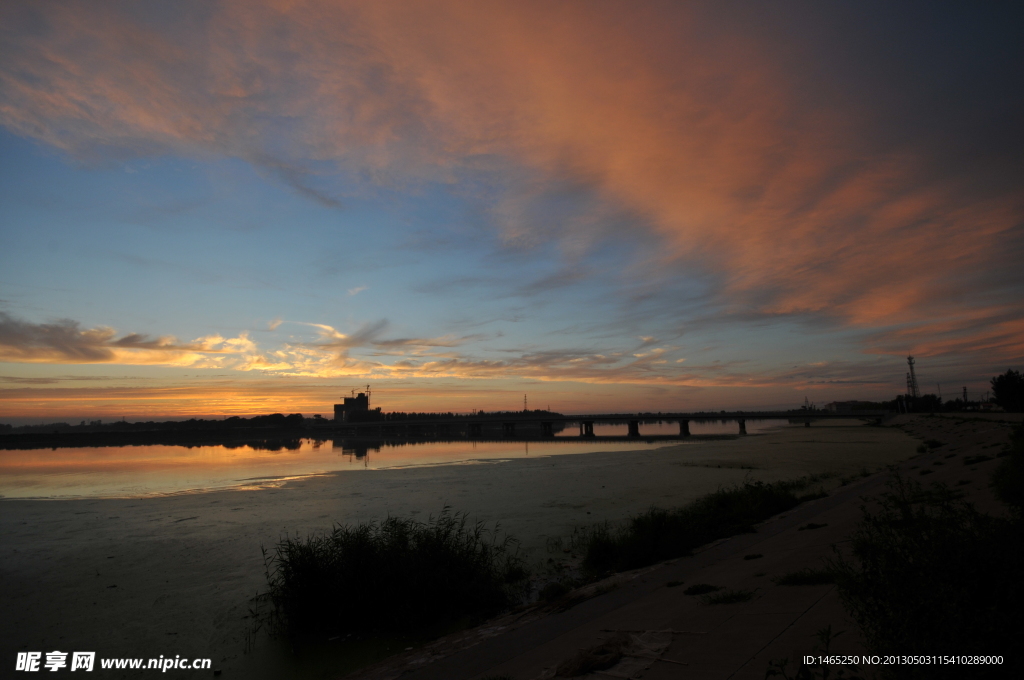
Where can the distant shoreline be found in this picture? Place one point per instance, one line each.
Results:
(279, 431)
(278, 438)
(241, 436)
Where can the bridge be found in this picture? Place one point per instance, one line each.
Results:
(531, 426)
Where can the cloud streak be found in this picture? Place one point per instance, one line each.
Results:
(832, 195)
(364, 354)
(65, 342)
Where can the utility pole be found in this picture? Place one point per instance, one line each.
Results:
(914, 391)
(965, 395)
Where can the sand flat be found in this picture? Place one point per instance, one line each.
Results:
(172, 575)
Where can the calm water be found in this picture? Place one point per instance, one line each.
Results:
(119, 471)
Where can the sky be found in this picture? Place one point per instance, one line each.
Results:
(227, 207)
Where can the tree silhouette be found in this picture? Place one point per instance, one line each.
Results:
(1008, 390)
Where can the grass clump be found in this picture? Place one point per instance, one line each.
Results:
(811, 526)
(657, 534)
(729, 597)
(930, 573)
(554, 590)
(807, 577)
(805, 671)
(598, 658)
(396, 577)
(701, 589)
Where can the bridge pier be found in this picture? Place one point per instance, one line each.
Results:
(474, 429)
(743, 426)
(586, 428)
(508, 429)
(807, 422)
(684, 428)
(547, 429)
(634, 428)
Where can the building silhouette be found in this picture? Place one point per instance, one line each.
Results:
(351, 408)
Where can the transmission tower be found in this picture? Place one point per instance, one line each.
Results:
(912, 379)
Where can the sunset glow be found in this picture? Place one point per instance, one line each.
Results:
(228, 208)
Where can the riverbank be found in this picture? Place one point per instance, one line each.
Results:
(674, 633)
(174, 575)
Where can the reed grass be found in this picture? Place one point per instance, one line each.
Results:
(658, 534)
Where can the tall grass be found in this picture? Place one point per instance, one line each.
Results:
(929, 574)
(658, 534)
(395, 577)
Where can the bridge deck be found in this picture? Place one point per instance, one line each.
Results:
(614, 418)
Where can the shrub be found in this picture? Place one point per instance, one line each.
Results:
(931, 575)
(399, 576)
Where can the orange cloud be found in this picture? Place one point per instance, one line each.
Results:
(782, 197)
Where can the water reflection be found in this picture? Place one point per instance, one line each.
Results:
(166, 469)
